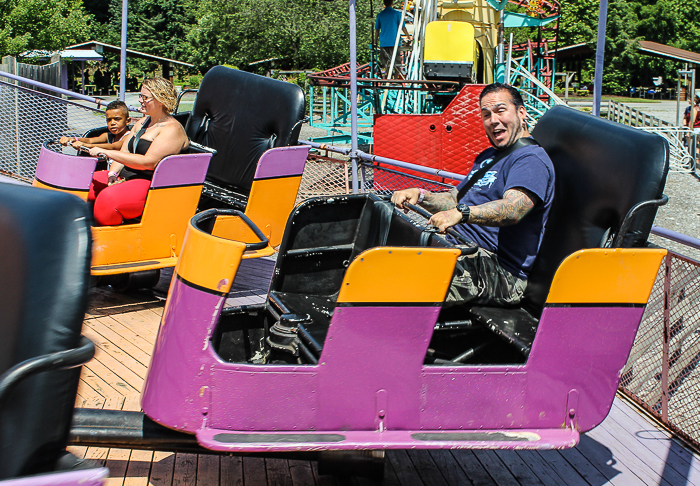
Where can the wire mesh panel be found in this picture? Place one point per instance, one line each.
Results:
(29, 118)
(327, 176)
(663, 371)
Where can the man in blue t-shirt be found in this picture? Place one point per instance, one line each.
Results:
(385, 29)
(504, 213)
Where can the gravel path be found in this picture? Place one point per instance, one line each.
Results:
(682, 213)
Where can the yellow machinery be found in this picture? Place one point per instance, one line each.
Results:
(465, 34)
(450, 51)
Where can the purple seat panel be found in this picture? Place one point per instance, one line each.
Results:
(181, 170)
(282, 162)
(65, 171)
(85, 477)
(371, 376)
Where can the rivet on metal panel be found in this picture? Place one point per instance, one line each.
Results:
(205, 395)
(382, 400)
(571, 407)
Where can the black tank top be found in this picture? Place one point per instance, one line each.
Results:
(142, 147)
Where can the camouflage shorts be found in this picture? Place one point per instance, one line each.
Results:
(480, 279)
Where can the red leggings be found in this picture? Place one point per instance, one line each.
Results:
(115, 203)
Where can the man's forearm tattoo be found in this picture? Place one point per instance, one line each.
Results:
(439, 201)
(503, 212)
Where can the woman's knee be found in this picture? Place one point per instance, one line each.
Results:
(121, 201)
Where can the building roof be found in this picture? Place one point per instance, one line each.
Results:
(72, 55)
(668, 52)
(101, 47)
(645, 47)
(81, 55)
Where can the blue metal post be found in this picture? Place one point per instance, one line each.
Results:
(599, 56)
(311, 106)
(122, 62)
(353, 96)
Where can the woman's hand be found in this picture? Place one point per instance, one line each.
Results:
(77, 144)
(97, 151)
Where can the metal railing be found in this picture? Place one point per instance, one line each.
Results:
(328, 172)
(627, 115)
(682, 142)
(662, 373)
(29, 118)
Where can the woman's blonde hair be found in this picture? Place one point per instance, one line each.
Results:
(163, 91)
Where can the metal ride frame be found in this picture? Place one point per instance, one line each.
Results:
(334, 101)
(661, 371)
(531, 74)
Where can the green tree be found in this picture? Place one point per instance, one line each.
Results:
(41, 24)
(300, 34)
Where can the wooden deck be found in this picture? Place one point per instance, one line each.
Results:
(627, 449)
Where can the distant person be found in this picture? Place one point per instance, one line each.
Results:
(99, 81)
(696, 122)
(385, 30)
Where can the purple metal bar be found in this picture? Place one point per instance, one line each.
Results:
(220, 440)
(407, 165)
(666, 337)
(323, 146)
(58, 90)
(353, 97)
(600, 56)
(384, 160)
(86, 477)
(675, 236)
(122, 60)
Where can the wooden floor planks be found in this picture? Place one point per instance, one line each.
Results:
(627, 449)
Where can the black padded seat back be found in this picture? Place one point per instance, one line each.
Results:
(241, 115)
(602, 170)
(44, 276)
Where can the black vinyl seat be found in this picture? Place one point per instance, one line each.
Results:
(44, 278)
(603, 169)
(322, 237)
(241, 115)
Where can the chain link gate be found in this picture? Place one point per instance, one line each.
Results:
(326, 175)
(29, 118)
(662, 373)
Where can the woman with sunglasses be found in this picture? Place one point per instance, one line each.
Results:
(120, 193)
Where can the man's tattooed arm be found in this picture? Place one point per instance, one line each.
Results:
(516, 203)
(440, 201)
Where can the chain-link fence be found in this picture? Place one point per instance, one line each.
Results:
(29, 118)
(662, 373)
(326, 175)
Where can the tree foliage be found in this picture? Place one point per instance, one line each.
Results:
(314, 34)
(300, 34)
(41, 24)
(671, 22)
